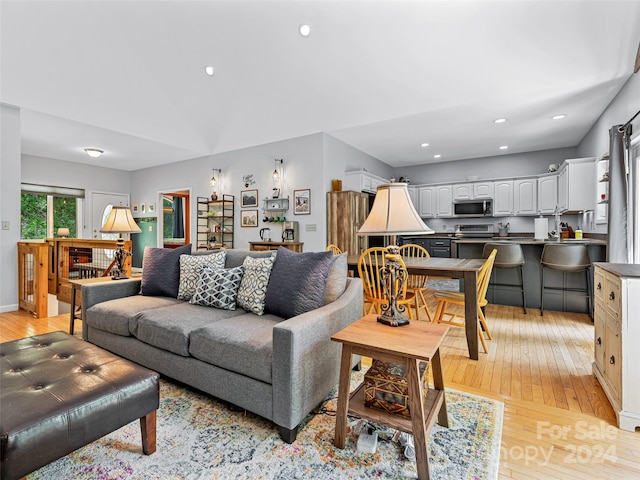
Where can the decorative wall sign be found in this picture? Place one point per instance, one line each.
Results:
(302, 202)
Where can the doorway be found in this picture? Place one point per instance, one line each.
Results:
(174, 226)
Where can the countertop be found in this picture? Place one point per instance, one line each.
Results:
(528, 240)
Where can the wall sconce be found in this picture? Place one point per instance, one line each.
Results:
(215, 182)
(278, 177)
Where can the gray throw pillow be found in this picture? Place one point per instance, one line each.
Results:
(298, 282)
(191, 267)
(337, 279)
(253, 288)
(161, 270)
(218, 287)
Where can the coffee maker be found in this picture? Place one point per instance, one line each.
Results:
(290, 232)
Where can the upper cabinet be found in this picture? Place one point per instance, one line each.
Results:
(503, 198)
(525, 196)
(444, 195)
(473, 191)
(577, 185)
(435, 201)
(413, 195)
(427, 201)
(547, 194)
(363, 181)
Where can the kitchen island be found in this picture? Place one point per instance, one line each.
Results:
(567, 301)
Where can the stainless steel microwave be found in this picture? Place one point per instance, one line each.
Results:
(473, 208)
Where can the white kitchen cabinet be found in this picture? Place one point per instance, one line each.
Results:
(525, 193)
(427, 201)
(577, 185)
(616, 337)
(472, 191)
(363, 181)
(444, 201)
(503, 198)
(413, 195)
(547, 194)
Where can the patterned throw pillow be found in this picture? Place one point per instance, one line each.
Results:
(253, 288)
(218, 287)
(190, 268)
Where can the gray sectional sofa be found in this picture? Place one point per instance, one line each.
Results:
(277, 368)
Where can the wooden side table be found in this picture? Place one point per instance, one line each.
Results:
(75, 286)
(407, 345)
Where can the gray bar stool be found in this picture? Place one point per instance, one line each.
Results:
(509, 256)
(566, 258)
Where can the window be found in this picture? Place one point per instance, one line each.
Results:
(44, 209)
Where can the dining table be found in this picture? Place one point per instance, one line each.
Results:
(463, 268)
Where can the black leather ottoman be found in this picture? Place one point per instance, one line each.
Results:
(58, 393)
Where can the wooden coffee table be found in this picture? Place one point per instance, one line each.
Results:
(407, 345)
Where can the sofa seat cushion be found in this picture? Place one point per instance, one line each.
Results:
(169, 328)
(243, 344)
(120, 316)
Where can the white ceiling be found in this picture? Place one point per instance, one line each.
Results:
(384, 76)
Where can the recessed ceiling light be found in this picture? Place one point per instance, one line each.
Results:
(437, 155)
(504, 147)
(93, 152)
(500, 120)
(209, 70)
(425, 144)
(305, 30)
(559, 117)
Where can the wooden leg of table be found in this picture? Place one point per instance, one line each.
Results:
(416, 405)
(438, 384)
(343, 397)
(471, 313)
(148, 431)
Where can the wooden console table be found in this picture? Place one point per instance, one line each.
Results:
(261, 246)
(76, 286)
(407, 345)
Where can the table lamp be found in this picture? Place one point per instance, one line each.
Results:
(63, 232)
(120, 221)
(393, 214)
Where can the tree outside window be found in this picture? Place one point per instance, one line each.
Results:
(41, 215)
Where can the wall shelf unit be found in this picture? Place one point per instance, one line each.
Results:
(215, 222)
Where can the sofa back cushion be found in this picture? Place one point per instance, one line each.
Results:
(161, 270)
(298, 282)
(235, 257)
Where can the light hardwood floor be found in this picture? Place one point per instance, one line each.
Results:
(558, 424)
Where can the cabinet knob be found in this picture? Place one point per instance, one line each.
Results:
(599, 287)
(599, 341)
(612, 296)
(612, 360)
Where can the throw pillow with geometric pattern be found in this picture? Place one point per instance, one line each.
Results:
(191, 267)
(253, 288)
(218, 288)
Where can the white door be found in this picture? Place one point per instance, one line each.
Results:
(101, 204)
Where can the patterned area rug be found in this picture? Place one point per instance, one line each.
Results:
(199, 437)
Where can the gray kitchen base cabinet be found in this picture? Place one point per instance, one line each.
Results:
(616, 339)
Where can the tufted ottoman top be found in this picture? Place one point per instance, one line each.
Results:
(58, 393)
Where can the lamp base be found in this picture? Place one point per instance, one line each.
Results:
(397, 320)
(121, 276)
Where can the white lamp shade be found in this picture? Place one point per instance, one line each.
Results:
(393, 213)
(120, 220)
(63, 232)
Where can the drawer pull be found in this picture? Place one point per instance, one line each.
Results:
(612, 296)
(599, 287)
(612, 360)
(599, 341)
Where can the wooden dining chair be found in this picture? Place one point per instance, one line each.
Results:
(417, 283)
(334, 248)
(370, 263)
(445, 298)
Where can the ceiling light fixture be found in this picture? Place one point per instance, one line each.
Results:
(437, 155)
(305, 30)
(559, 117)
(425, 144)
(93, 152)
(500, 120)
(209, 70)
(504, 147)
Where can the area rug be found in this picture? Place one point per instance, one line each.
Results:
(199, 437)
